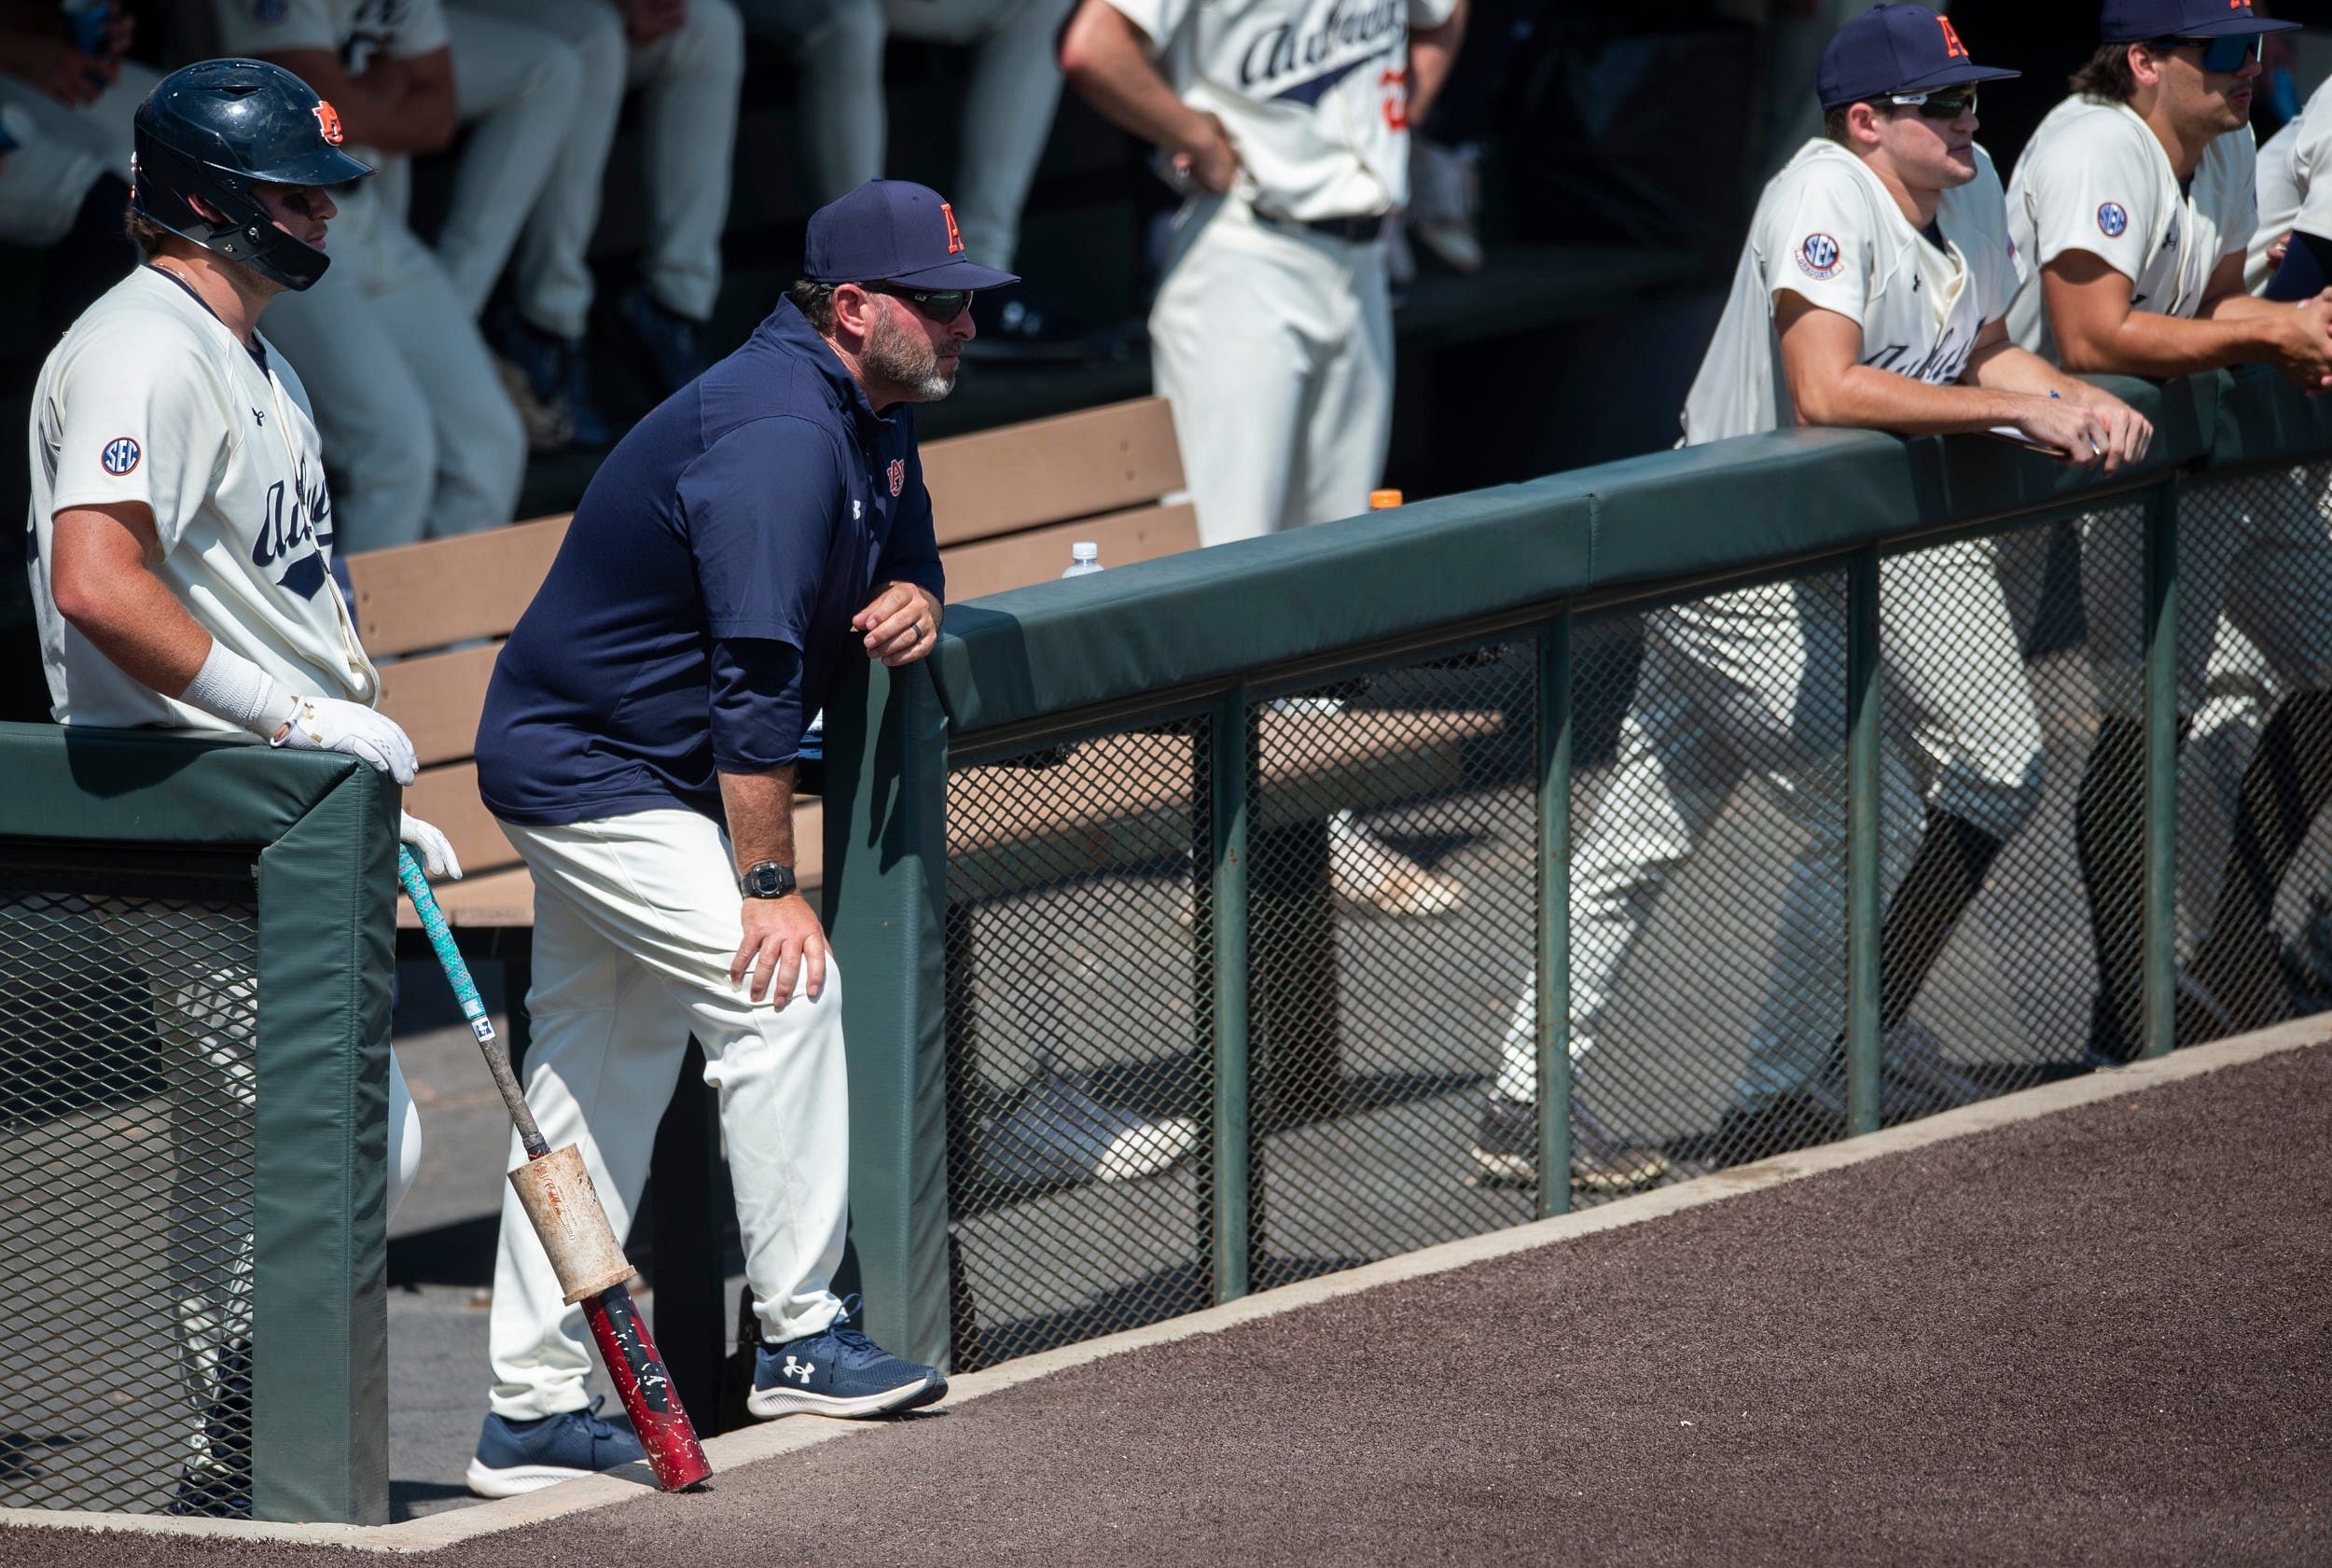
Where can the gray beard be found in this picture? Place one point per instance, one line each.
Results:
(910, 362)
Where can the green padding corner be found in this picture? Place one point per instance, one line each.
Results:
(320, 1371)
(156, 786)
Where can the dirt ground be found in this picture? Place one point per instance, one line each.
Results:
(2100, 1337)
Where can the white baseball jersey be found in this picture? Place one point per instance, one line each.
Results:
(1313, 93)
(2095, 179)
(149, 398)
(1828, 230)
(2291, 194)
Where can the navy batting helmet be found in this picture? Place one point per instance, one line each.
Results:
(215, 130)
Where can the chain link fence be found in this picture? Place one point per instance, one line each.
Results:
(2256, 771)
(128, 1020)
(1392, 882)
(1081, 1083)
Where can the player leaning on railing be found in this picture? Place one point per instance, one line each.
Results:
(181, 568)
(1871, 294)
(2134, 205)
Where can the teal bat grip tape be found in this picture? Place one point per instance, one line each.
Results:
(442, 943)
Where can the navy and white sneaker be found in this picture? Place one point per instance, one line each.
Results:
(516, 1457)
(837, 1371)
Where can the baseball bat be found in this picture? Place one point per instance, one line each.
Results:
(570, 1224)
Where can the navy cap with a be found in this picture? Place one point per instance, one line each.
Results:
(1896, 48)
(892, 231)
(2138, 22)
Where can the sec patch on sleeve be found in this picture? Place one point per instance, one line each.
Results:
(1818, 257)
(120, 455)
(2113, 220)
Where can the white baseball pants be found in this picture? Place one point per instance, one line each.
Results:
(206, 1010)
(1275, 348)
(518, 89)
(419, 436)
(689, 84)
(1754, 681)
(43, 182)
(635, 923)
(1010, 93)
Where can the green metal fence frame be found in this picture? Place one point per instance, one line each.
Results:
(321, 830)
(1202, 631)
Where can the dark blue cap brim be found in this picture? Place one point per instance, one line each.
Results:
(2231, 27)
(1956, 75)
(955, 274)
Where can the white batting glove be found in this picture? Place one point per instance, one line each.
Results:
(329, 723)
(435, 849)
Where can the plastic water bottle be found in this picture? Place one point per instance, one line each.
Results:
(1085, 558)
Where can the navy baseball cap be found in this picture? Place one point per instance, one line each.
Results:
(892, 231)
(2137, 21)
(1896, 48)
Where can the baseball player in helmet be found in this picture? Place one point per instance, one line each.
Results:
(423, 438)
(181, 540)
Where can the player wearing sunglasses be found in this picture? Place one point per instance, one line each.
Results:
(2134, 205)
(1870, 296)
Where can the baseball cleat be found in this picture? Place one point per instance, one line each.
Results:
(837, 1371)
(1506, 1152)
(1061, 1135)
(517, 1457)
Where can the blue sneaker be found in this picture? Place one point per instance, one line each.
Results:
(837, 1372)
(515, 1457)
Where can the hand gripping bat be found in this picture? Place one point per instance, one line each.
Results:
(556, 1190)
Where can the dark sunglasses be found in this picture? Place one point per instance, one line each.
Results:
(2222, 55)
(941, 306)
(1950, 103)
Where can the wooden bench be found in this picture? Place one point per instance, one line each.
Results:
(1007, 506)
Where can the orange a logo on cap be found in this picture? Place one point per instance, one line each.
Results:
(328, 122)
(955, 237)
(1957, 50)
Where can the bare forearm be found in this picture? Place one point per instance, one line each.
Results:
(761, 811)
(109, 597)
(1102, 56)
(2005, 367)
(1431, 53)
(1867, 398)
(2160, 347)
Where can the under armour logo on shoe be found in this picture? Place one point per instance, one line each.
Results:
(799, 1369)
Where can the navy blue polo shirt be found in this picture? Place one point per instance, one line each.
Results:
(701, 601)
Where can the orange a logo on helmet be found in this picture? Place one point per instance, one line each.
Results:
(955, 237)
(328, 122)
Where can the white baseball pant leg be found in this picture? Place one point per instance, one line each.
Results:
(1009, 98)
(839, 46)
(201, 972)
(1276, 351)
(635, 923)
(1749, 681)
(519, 88)
(550, 275)
(43, 183)
(689, 85)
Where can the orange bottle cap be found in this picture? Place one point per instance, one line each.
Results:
(1379, 499)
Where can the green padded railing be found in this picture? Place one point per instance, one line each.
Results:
(196, 938)
(1118, 765)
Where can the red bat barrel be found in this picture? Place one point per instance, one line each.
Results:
(646, 1389)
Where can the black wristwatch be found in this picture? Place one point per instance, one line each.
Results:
(766, 879)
